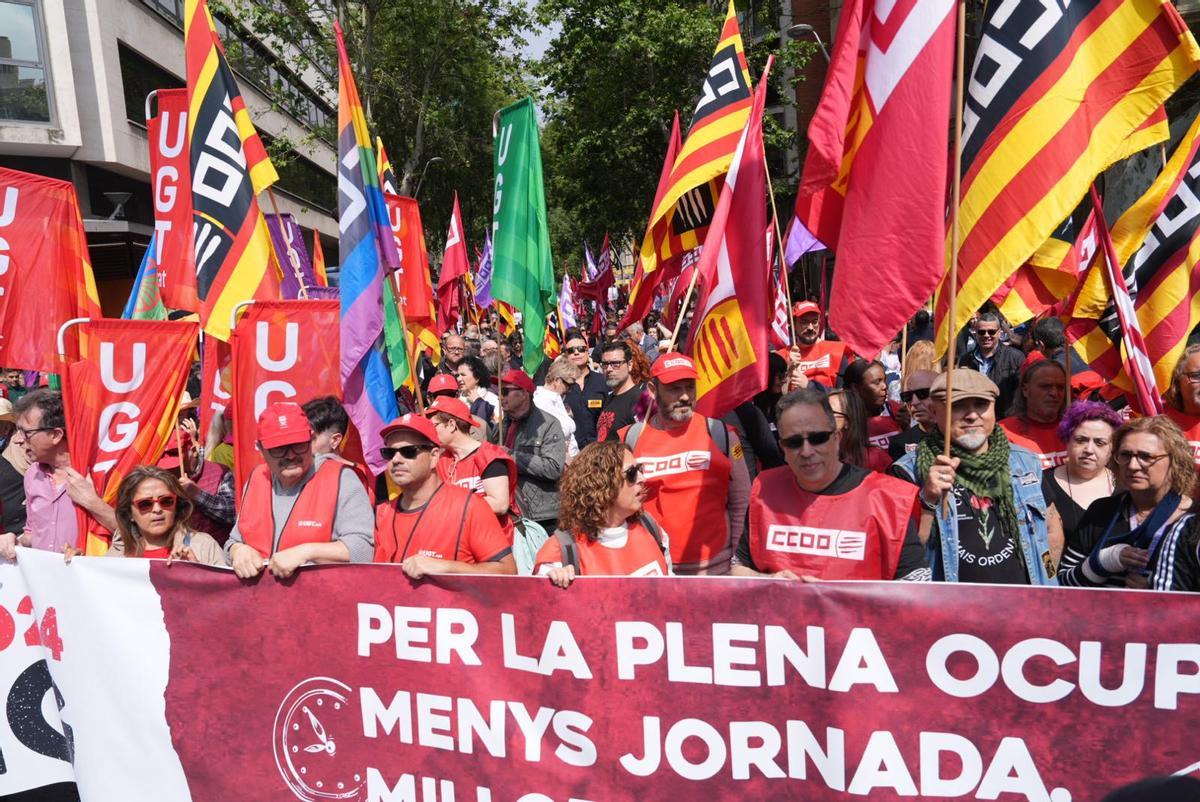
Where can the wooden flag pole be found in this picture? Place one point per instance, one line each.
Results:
(783, 265)
(687, 299)
(955, 188)
(295, 267)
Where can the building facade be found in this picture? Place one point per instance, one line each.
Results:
(74, 75)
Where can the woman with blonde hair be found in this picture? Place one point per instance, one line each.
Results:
(921, 356)
(602, 528)
(1121, 540)
(152, 520)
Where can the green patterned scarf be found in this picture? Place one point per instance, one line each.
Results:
(987, 475)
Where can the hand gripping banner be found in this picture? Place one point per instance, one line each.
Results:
(282, 351)
(355, 683)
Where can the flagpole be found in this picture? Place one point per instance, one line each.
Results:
(410, 355)
(955, 189)
(295, 267)
(783, 265)
(687, 299)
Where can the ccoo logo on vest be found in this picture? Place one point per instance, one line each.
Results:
(653, 467)
(841, 543)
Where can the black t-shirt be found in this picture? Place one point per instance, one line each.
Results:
(986, 552)
(617, 413)
(912, 553)
(905, 442)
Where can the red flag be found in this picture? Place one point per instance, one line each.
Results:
(171, 173)
(874, 184)
(781, 333)
(597, 289)
(455, 268)
(45, 274)
(122, 402)
(415, 290)
(217, 381)
(645, 285)
(281, 351)
(728, 337)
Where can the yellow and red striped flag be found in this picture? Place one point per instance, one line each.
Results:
(1053, 100)
(1051, 274)
(685, 203)
(234, 258)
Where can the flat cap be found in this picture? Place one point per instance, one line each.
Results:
(967, 384)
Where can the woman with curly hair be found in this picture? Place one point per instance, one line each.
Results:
(1087, 431)
(603, 531)
(1129, 539)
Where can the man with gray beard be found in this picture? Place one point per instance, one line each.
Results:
(697, 484)
(984, 516)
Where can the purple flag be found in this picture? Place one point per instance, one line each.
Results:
(288, 241)
(566, 304)
(589, 264)
(483, 277)
(799, 242)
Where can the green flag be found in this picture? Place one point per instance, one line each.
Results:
(393, 334)
(522, 271)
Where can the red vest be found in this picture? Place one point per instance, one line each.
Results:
(468, 473)
(820, 361)
(687, 485)
(1191, 430)
(311, 520)
(1040, 438)
(881, 428)
(856, 535)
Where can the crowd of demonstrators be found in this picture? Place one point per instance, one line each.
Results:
(600, 464)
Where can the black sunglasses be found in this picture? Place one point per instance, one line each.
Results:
(796, 441)
(407, 452)
(577, 349)
(295, 449)
(633, 474)
(907, 395)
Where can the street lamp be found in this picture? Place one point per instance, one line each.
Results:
(801, 30)
(417, 194)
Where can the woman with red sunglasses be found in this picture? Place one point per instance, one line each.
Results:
(152, 520)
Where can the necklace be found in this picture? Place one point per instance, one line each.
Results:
(1107, 474)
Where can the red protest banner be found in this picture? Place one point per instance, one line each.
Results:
(45, 272)
(170, 169)
(358, 682)
(119, 413)
(281, 351)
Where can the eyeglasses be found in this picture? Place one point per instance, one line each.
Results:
(1193, 377)
(633, 474)
(797, 441)
(613, 365)
(295, 450)
(28, 433)
(455, 349)
(989, 333)
(907, 395)
(406, 452)
(1144, 459)
(577, 349)
(144, 505)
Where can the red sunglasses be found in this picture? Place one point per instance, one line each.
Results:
(144, 505)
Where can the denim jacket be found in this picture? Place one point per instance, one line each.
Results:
(1026, 471)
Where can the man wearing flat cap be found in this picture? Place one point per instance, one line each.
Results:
(984, 517)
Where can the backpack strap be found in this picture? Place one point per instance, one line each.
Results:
(633, 433)
(655, 530)
(569, 549)
(719, 434)
(462, 523)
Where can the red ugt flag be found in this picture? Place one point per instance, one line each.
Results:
(455, 268)
(874, 183)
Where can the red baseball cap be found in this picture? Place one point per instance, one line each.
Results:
(805, 308)
(170, 458)
(672, 368)
(517, 378)
(283, 424)
(443, 382)
(412, 422)
(453, 407)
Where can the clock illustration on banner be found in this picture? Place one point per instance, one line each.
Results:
(311, 719)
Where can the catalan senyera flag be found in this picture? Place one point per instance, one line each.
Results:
(649, 276)
(1051, 274)
(874, 182)
(729, 334)
(1077, 83)
(143, 366)
(684, 205)
(47, 277)
(367, 253)
(234, 258)
(1157, 246)
(318, 257)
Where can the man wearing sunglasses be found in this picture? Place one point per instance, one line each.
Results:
(820, 518)
(434, 527)
(984, 516)
(588, 390)
(293, 513)
(53, 489)
(697, 485)
(915, 396)
(812, 358)
(995, 359)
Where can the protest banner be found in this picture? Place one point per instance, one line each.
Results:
(356, 683)
(281, 351)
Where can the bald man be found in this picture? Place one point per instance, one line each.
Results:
(915, 396)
